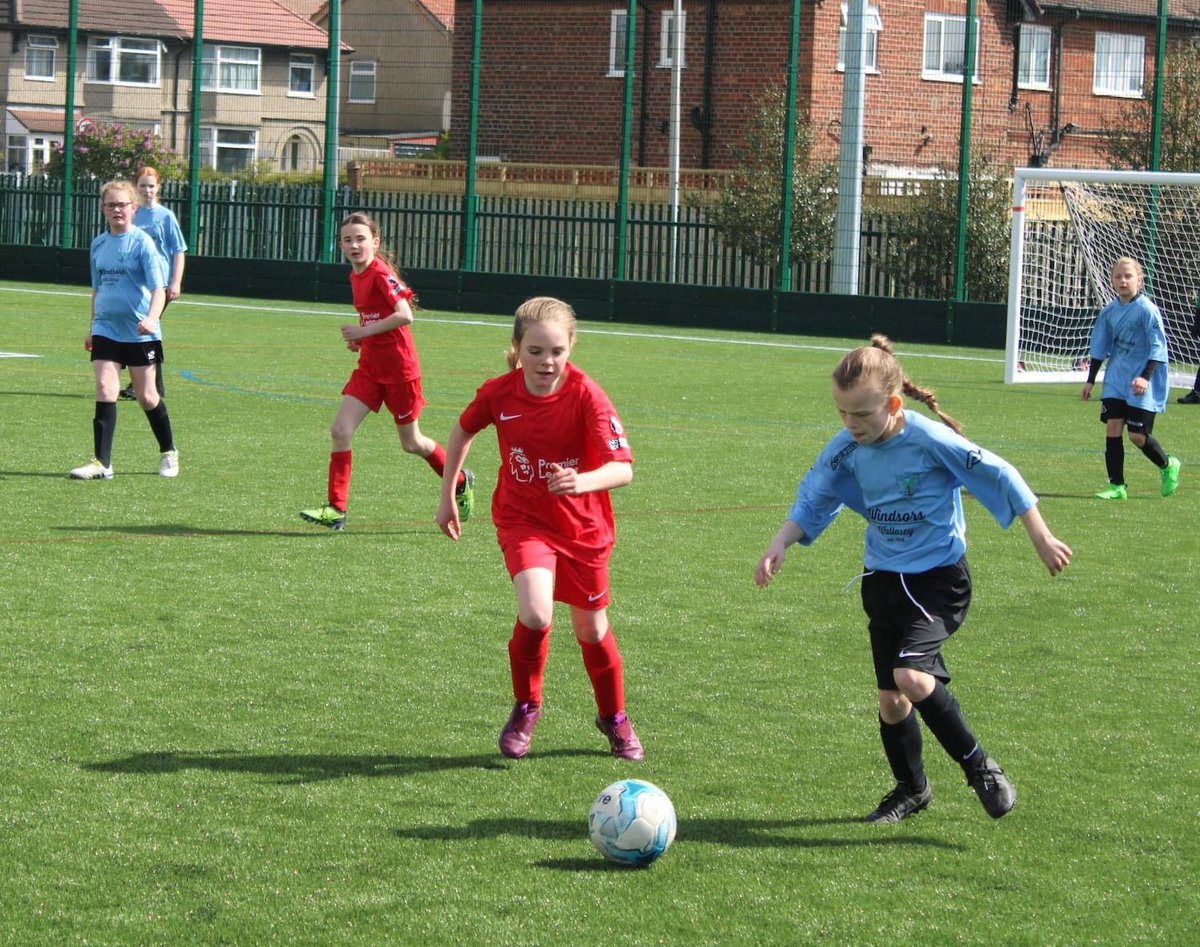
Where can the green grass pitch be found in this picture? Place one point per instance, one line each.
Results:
(220, 725)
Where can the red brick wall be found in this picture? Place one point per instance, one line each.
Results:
(546, 96)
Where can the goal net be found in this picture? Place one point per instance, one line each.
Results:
(1068, 229)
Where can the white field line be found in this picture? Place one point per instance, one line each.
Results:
(507, 326)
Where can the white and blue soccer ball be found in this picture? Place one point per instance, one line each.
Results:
(632, 822)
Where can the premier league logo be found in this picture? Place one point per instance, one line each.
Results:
(519, 465)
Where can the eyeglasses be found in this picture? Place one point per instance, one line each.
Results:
(116, 205)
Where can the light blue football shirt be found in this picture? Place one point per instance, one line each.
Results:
(162, 226)
(126, 269)
(1127, 336)
(909, 490)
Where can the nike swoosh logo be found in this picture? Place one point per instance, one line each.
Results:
(903, 655)
(401, 417)
(597, 596)
(508, 417)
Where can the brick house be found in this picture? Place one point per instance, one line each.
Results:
(263, 92)
(1049, 77)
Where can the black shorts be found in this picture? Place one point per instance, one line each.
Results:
(1138, 420)
(126, 353)
(911, 615)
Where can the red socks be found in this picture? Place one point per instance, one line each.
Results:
(603, 663)
(339, 479)
(527, 650)
(437, 460)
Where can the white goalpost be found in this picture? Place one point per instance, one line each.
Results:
(1068, 228)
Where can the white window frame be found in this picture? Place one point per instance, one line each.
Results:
(618, 27)
(44, 48)
(365, 69)
(16, 154)
(118, 48)
(1033, 65)
(666, 40)
(871, 49)
(298, 63)
(211, 146)
(940, 73)
(1120, 65)
(218, 57)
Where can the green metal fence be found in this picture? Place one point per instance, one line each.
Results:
(517, 236)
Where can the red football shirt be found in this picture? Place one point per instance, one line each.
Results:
(390, 357)
(576, 426)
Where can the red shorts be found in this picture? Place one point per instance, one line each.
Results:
(403, 399)
(582, 584)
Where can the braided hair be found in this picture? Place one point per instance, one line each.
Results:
(877, 362)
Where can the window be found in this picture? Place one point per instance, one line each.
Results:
(1033, 67)
(230, 69)
(228, 149)
(301, 69)
(871, 49)
(40, 53)
(1120, 65)
(618, 37)
(120, 61)
(946, 47)
(362, 82)
(14, 160)
(666, 52)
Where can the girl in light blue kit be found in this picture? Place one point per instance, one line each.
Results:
(163, 227)
(1129, 333)
(904, 473)
(129, 280)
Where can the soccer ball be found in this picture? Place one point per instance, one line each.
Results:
(632, 822)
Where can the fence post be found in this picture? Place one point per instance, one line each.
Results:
(193, 201)
(66, 236)
(784, 282)
(330, 175)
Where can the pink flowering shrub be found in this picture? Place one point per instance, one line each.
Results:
(106, 152)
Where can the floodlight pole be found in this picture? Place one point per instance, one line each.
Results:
(673, 144)
(848, 234)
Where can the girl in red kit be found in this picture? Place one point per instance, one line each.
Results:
(562, 448)
(388, 372)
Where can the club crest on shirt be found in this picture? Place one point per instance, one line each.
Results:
(617, 441)
(519, 465)
(908, 483)
(974, 458)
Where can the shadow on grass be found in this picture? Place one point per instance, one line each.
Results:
(292, 768)
(184, 530)
(733, 833)
(48, 394)
(51, 474)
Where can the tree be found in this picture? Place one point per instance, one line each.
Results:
(1127, 141)
(106, 152)
(747, 213)
(920, 251)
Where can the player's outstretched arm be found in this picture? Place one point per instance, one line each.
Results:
(457, 448)
(772, 559)
(1052, 551)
